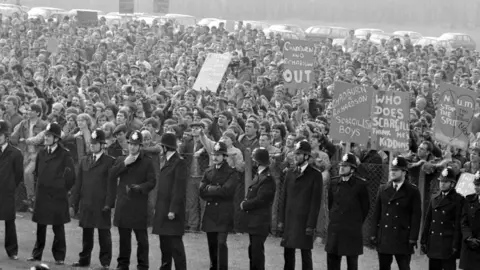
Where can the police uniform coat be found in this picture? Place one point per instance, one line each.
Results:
(257, 205)
(131, 209)
(54, 176)
(441, 231)
(221, 184)
(348, 204)
(171, 197)
(11, 172)
(302, 196)
(396, 218)
(470, 259)
(90, 192)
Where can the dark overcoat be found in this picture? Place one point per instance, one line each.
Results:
(257, 205)
(89, 194)
(470, 259)
(302, 196)
(441, 230)
(54, 176)
(217, 188)
(396, 218)
(11, 175)
(171, 197)
(131, 208)
(348, 205)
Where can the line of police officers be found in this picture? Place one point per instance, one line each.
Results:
(452, 224)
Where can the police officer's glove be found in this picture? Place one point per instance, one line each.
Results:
(106, 209)
(135, 189)
(310, 231)
(373, 241)
(423, 248)
(473, 243)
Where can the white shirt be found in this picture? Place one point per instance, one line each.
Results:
(4, 146)
(52, 149)
(303, 167)
(169, 155)
(399, 185)
(261, 169)
(97, 156)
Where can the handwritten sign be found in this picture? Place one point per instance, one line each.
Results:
(212, 72)
(351, 113)
(298, 64)
(455, 112)
(465, 184)
(390, 120)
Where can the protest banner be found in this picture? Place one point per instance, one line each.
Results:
(87, 18)
(455, 112)
(465, 184)
(390, 121)
(161, 6)
(351, 113)
(298, 64)
(126, 6)
(212, 72)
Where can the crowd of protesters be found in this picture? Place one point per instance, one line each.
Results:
(133, 84)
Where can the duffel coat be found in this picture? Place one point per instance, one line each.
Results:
(171, 197)
(302, 196)
(217, 188)
(11, 175)
(131, 209)
(396, 218)
(470, 259)
(441, 230)
(54, 176)
(258, 204)
(90, 192)
(348, 205)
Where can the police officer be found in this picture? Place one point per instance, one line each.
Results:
(302, 196)
(11, 171)
(136, 179)
(470, 256)
(396, 218)
(441, 235)
(348, 205)
(217, 188)
(257, 206)
(90, 196)
(169, 221)
(54, 176)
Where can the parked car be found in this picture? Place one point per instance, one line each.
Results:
(285, 34)
(8, 10)
(46, 12)
(414, 36)
(459, 40)
(376, 38)
(321, 33)
(287, 27)
(255, 25)
(210, 22)
(362, 32)
(181, 19)
(150, 18)
(73, 12)
(425, 41)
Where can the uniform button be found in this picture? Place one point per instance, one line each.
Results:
(396, 216)
(441, 222)
(433, 221)
(216, 203)
(440, 234)
(388, 214)
(443, 212)
(394, 228)
(250, 189)
(435, 210)
(397, 203)
(386, 226)
(388, 202)
(208, 203)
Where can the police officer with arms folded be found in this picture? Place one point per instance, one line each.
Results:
(217, 188)
(54, 176)
(348, 205)
(441, 235)
(470, 256)
(137, 179)
(396, 218)
(298, 215)
(11, 171)
(258, 208)
(90, 196)
(169, 221)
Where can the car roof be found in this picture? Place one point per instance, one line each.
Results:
(49, 8)
(327, 26)
(178, 15)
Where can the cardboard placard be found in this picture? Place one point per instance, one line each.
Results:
(454, 116)
(465, 184)
(390, 120)
(351, 113)
(298, 58)
(212, 72)
(87, 18)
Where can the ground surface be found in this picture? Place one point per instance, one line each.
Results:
(195, 244)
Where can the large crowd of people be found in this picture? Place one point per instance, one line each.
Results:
(107, 120)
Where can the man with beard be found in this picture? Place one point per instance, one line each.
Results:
(396, 218)
(258, 208)
(302, 196)
(90, 196)
(470, 256)
(348, 205)
(441, 236)
(217, 188)
(54, 176)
